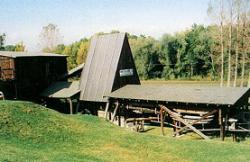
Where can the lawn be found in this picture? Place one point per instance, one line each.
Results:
(30, 132)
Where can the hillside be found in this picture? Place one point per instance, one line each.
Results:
(30, 132)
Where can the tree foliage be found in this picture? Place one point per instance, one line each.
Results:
(2, 40)
(194, 53)
(19, 47)
(50, 37)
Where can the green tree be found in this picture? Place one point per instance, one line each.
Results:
(146, 55)
(20, 47)
(10, 48)
(59, 49)
(198, 51)
(82, 52)
(68, 51)
(172, 54)
(2, 40)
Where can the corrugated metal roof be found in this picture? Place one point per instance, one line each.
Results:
(182, 93)
(61, 90)
(102, 66)
(28, 54)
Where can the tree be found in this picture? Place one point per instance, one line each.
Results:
(216, 11)
(59, 49)
(221, 43)
(237, 44)
(244, 40)
(198, 51)
(68, 51)
(146, 55)
(172, 53)
(82, 52)
(230, 41)
(10, 48)
(50, 37)
(20, 47)
(2, 40)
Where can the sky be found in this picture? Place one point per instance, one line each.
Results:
(22, 20)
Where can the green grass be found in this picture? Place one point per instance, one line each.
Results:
(29, 132)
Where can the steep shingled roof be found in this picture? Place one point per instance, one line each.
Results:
(109, 66)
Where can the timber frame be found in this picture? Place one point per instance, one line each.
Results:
(161, 111)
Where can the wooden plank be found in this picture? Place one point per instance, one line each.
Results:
(166, 124)
(114, 113)
(106, 109)
(222, 126)
(191, 111)
(196, 121)
(141, 119)
(162, 121)
(183, 121)
(142, 109)
(70, 105)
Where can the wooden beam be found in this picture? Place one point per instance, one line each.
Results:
(114, 113)
(144, 110)
(70, 105)
(140, 119)
(162, 121)
(77, 106)
(184, 122)
(119, 117)
(198, 120)
(222, 125)
(106, 109)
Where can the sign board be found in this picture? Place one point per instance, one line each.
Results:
(126, 72)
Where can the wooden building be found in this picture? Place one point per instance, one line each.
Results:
(109, 66)
(23, 75)
(184, 106)
(109, 79)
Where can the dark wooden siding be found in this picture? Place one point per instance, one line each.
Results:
(126, 61)
(34, 74)
(7, 68)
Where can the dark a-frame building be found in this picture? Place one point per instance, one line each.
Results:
(109, 66)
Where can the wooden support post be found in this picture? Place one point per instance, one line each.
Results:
(114, 113)
(70, 105)
(234, 137)
(222, 125)
(106, 109)
(125, 115)
(162, 121)
(183, 121)
(77, 106)
(119, 116)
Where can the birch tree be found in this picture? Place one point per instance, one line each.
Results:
(221, 43)
(230, 3)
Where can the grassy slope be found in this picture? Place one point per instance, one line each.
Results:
(29, 132)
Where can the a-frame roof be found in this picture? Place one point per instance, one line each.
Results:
(109, 66)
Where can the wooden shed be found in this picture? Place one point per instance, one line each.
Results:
(186, 106)
(23, 75)
(109, 66)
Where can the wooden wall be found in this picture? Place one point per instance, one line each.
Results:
(34, 74)
(7, 68)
